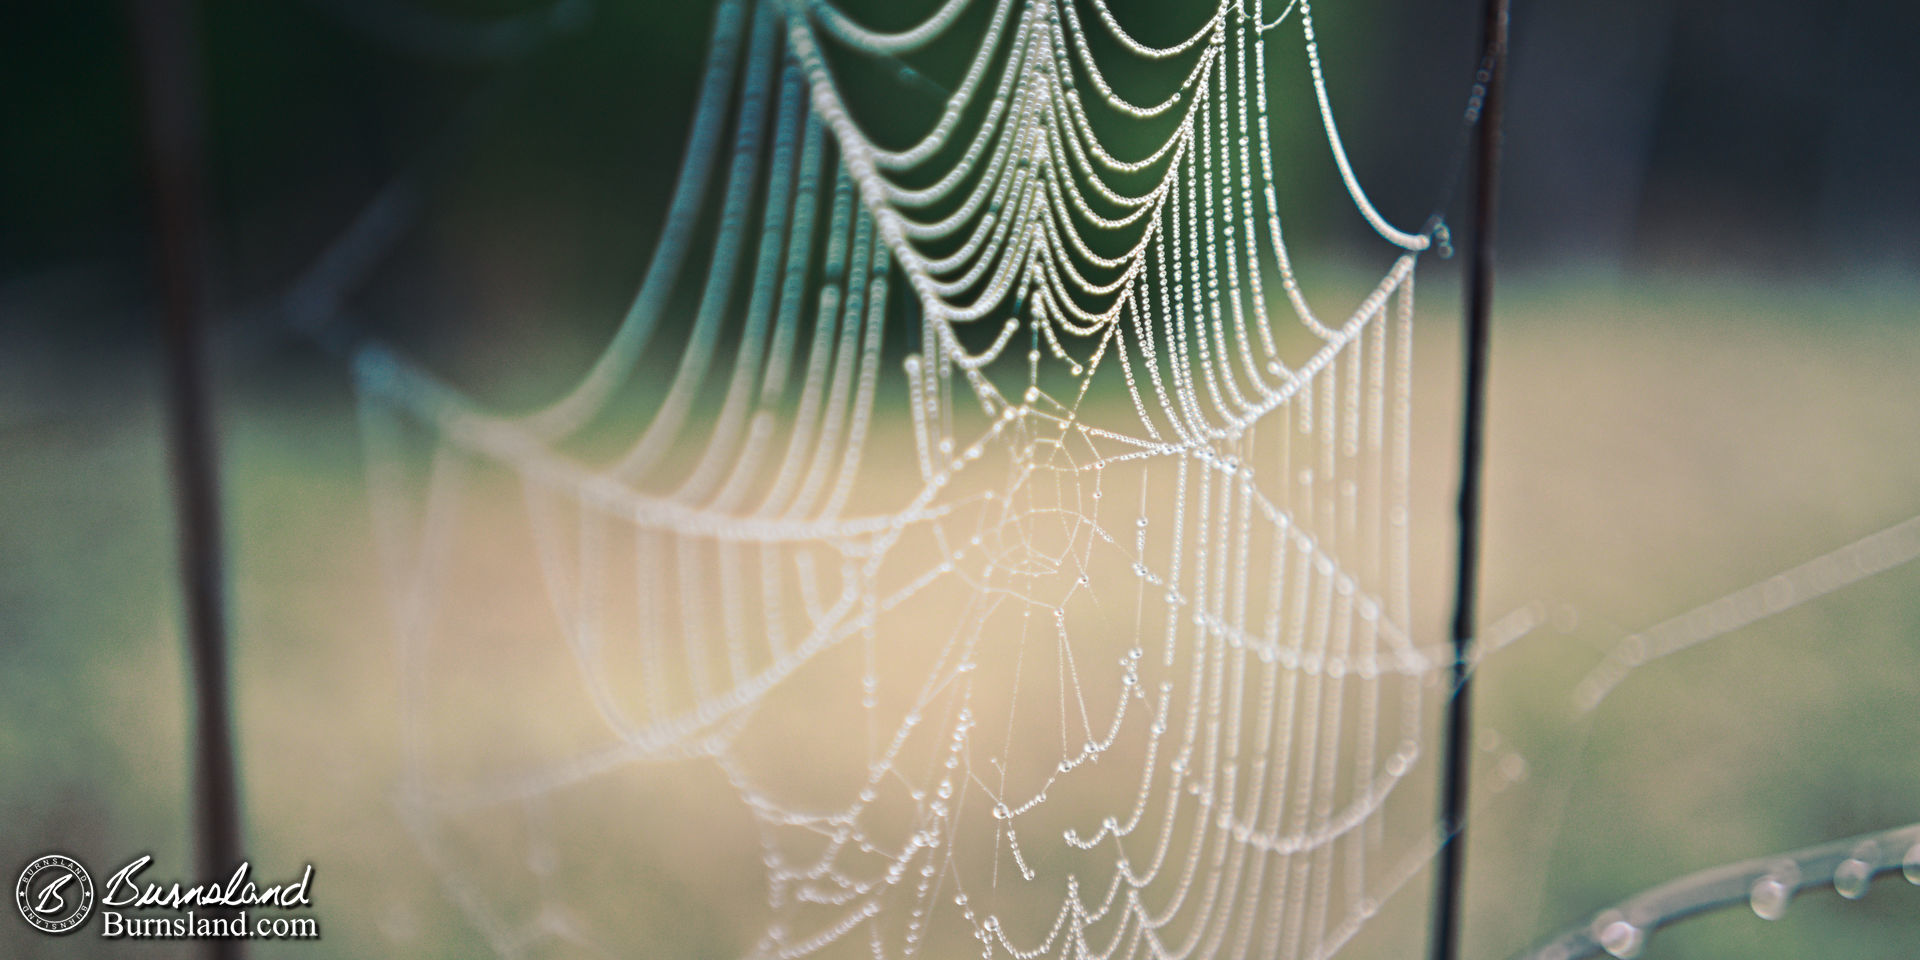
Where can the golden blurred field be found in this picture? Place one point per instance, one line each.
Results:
(1655, 443)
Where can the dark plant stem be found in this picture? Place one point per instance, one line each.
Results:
(164, 34)
(1458, 747)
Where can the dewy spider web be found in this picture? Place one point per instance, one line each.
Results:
(1117, 631)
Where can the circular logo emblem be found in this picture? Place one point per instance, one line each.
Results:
(54, 893)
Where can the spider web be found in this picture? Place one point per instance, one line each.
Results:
(1030, 581)
(1085, 608)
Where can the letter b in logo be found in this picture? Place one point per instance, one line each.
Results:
(54, 893)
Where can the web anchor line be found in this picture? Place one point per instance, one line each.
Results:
(1765, 884)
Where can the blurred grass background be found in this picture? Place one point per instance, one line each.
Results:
(1704, 373)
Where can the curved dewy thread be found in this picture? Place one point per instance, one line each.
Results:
(775, 241)
(1139, 49)
(615, 364)
(1399, 238)
(905, 41)
(1765, 884)
(691, 372)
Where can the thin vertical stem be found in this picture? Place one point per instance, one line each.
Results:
(164, 34)
(1485, 108)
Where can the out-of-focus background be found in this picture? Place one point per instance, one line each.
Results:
(1704, 372)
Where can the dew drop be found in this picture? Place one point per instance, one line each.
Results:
(1851, 877)
(1620, 938)
(1772, 892)
(1910, 864)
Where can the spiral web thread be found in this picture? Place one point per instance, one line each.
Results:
(1144, 516)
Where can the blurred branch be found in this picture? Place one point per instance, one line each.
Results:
(164, 33)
